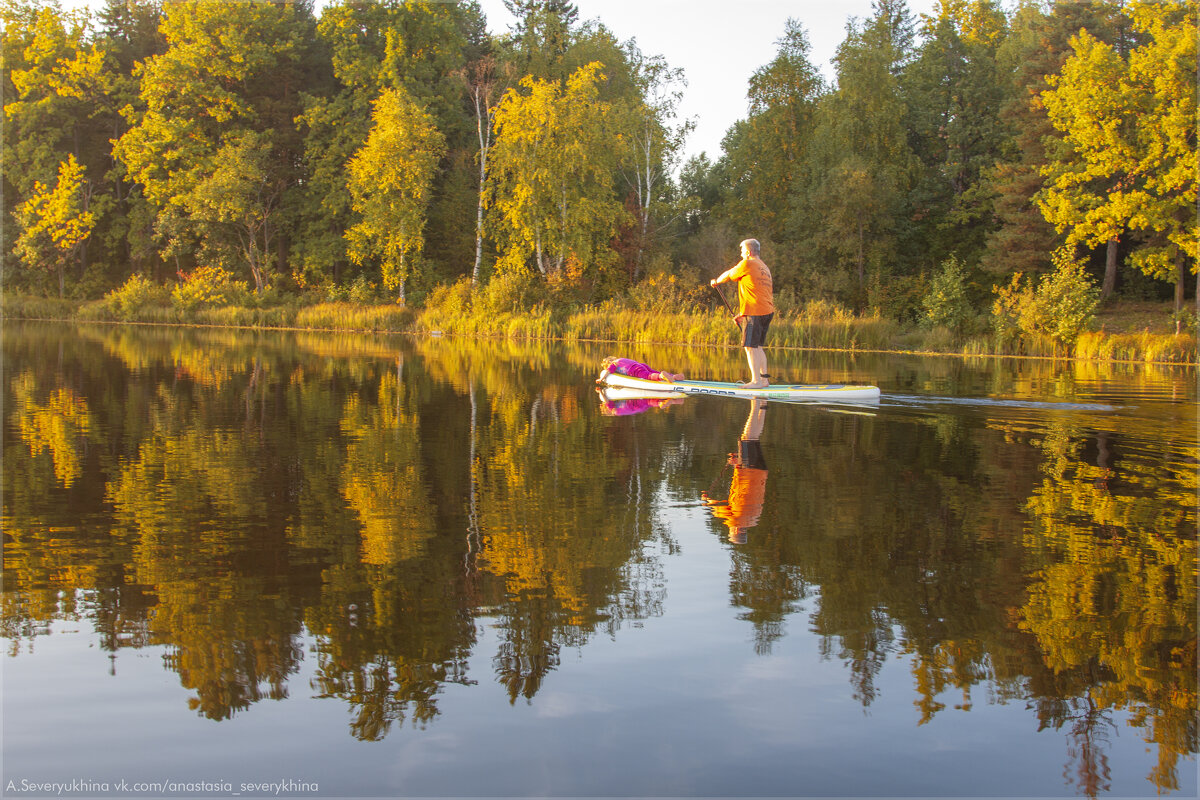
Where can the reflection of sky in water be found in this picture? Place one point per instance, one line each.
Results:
(716, 679)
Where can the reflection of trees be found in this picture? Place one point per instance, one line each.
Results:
(883, 527)
(548, 490)
(260, 485)
(193, 507)
(60, 425)
(1113, 600)
(911, 541)
(257, 489)
(382, 478)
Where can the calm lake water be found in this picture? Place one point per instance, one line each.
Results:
(338, 565)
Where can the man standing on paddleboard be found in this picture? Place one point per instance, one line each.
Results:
(756, 307)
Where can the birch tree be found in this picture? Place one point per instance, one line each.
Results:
(482, 82)
(656, 137)
(555, 155)
(391, 181)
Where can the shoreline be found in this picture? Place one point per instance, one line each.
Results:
(417, 330)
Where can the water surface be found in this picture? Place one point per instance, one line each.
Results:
(371, 566)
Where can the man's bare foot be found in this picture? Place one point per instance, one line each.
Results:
(763, 384)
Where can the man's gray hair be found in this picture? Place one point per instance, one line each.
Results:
(753, 246)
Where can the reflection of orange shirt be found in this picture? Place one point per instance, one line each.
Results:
(755, 287)
(746, 493)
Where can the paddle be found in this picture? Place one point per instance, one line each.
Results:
(728, 307)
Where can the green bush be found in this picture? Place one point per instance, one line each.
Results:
(899, 297)
(362, 292)
(448, 307)
(1057, 310)
(511, 293)
(128, 302)
(946, 305)
(663, 292)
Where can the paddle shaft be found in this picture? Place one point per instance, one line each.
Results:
(728, 307)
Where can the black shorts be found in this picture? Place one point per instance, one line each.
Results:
(751, 453)
(754, 332)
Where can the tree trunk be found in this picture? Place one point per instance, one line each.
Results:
(1110, 270)
(1180, 276)
(479, 228)
(483, 126)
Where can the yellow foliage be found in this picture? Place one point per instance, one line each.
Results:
(59, 425)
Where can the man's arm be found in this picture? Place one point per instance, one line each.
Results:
(727, 275)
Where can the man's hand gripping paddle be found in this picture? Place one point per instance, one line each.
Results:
(728, 307)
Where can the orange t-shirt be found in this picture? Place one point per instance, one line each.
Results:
(746, 492)
(755, 289)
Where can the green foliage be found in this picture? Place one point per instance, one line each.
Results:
(955, 89)
(511, 292)
(901, 297)
(947, 305)
(859, 167)
(1129, 133)
(1058, 309)
(214, 147)
(363, 153)
(127, 302)
(668, 294)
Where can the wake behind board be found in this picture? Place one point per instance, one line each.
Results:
(826, 393)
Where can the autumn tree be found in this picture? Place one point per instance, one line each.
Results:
(55, 222)
(422, 49)
(555, 156)
(1098, 153)
(227, 85)
(1037, 44)
(1162, 75)
(58, 86)
(1127, 162)
(390, 181)
(60, 102)
(483, 81)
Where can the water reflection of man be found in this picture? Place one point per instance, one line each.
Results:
(749, 483)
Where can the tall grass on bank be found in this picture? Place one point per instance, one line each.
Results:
(459, 311)
(1150, 348)
(29, 307)
(354, 317)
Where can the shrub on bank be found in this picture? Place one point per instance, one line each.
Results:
(460, 309)
(208, 286)
(1053, 314)
(129, 301)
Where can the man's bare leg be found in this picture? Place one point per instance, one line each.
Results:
(757, 360)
